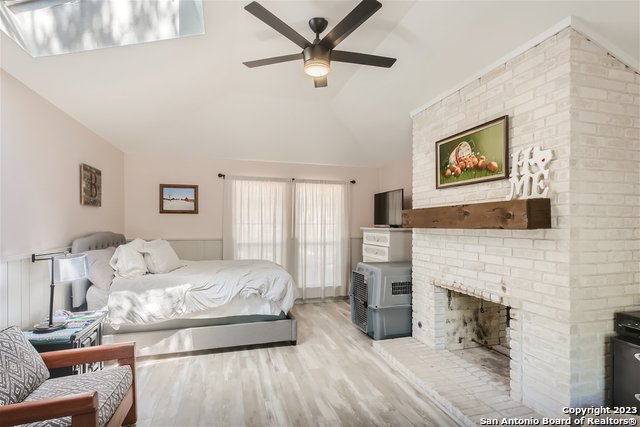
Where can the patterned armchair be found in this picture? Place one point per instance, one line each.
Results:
(27, 395)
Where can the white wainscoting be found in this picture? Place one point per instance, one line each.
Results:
(24, 292)
(197, 250)
(202, 249)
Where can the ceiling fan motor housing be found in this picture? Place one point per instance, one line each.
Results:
(316, 52)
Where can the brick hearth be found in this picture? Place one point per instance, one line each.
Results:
(462, 389)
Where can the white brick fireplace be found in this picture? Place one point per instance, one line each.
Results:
(563, 284)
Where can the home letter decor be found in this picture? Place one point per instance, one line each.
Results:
(529, 172)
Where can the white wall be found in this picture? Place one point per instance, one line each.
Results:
(396, 175)
(605, 210)
(199, 236)
(41, 151)
(144, 172)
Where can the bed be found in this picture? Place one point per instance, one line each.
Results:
(250, 313)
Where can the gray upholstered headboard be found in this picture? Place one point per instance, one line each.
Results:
(101, 240)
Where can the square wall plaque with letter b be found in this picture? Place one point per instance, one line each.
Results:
(90, 186)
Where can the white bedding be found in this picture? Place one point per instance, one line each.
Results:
(96, 298)
(202, 289)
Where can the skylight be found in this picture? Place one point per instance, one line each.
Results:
(54, 27)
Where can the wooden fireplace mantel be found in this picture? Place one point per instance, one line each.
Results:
(525, 214)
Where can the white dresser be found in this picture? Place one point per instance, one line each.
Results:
(386, 244)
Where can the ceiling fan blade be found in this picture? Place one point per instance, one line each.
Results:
(362, 58)
(273, 60)
(274, 22)
(353, 20)
(320, 81)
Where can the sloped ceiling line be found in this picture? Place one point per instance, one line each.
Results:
(570, 21)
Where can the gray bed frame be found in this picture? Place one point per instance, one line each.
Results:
(157, 342)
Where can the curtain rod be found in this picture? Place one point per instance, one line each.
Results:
(223, 176)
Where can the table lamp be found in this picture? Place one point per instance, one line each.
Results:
(64, 268)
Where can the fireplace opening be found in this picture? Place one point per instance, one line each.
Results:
(477, 330)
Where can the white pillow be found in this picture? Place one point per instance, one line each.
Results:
(127, 261)
(100, 272)
(137, 244)
(160, 257)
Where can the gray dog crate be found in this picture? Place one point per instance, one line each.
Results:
(380, 297)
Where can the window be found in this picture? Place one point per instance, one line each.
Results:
(257, 219)
(259, 225)
(321, 236)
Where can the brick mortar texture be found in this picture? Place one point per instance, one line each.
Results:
(605, 210)
(569, 95)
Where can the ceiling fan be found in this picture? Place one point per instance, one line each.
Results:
(317, 55)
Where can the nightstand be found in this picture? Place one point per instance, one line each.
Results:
(84, 329)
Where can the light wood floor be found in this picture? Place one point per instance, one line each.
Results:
(331, 378)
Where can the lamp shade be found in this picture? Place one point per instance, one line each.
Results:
(316, 68)
(70, 267)
(317, 60)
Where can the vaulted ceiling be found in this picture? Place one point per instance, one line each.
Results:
(193, 95)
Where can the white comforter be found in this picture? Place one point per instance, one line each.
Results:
(200, 289)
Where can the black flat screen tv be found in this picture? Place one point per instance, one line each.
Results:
(387, 208)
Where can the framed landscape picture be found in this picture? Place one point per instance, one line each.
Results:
(177, 198)
(478, 154)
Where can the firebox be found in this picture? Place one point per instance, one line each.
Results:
(474, 322)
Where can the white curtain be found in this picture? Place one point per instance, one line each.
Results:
(257, 219)
(321, 236)
(258, 224)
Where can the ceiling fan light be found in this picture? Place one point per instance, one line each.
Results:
(316, 67)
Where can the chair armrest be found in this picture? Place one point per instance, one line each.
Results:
(124, 353)
(37, 410)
